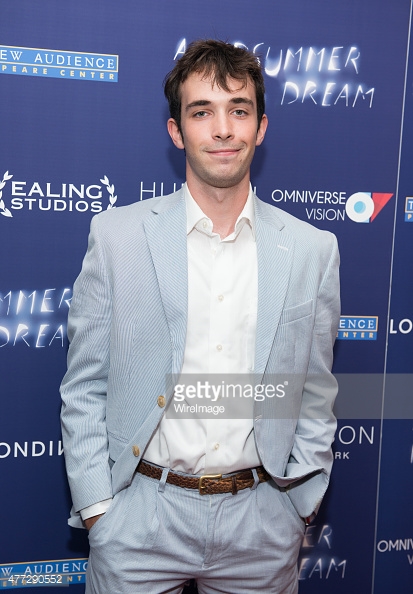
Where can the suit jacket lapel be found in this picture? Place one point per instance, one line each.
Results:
(274, 251)
(165, 230)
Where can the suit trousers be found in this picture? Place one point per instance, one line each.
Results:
(155, 536)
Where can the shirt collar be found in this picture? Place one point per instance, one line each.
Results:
(194, 214)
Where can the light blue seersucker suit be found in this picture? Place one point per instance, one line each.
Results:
(127, 327)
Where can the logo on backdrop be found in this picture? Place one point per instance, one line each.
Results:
(363, 207)
(30, 449)
(54, 197)
(323, 76)
(27, 61)
(323, 205)
(65, 572)
(34, 319)
(348, 437)
(399, 545)
(408, 210)
(404, 326)
(316, 559)
(358, 328)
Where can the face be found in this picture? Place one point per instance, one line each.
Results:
(218, 132)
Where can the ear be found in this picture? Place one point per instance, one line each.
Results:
(175, 134)
(261, 130)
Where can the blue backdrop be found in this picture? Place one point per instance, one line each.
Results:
(82, 129)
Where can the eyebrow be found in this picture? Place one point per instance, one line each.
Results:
(205, 103)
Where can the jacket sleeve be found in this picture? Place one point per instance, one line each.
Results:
(84, 387)
(317, 424)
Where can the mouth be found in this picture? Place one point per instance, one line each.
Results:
(224, 152)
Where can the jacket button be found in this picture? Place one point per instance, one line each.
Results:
(161, 401)
(136, 451)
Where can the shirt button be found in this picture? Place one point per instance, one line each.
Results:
(216, 446)
(161, 401)
(219, 347)
(220, 298)
(136, 451)
(205, 224)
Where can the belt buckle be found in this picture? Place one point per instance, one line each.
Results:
(201, 486)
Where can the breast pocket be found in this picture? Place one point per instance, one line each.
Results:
(293, 338)
(297, 312)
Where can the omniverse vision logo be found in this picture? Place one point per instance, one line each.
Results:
(28, 61)
(358, 328)
(363, 207)
(330, 205)
(55, 196)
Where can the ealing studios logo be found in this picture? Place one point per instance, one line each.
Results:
(65, 197)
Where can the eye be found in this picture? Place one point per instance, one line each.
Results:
(240, 112)
(200, 114)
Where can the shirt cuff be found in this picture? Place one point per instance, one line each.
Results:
(96, 509)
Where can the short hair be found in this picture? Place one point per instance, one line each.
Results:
(220, 61)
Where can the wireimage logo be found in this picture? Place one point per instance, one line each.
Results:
(363, 207)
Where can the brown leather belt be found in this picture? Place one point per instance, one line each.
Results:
(207, 484)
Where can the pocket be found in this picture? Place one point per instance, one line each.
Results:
(104, 521)
(101, 519)
(133, 517)
(103, 528)
(288, 505)
(297, 312)
(277, 515)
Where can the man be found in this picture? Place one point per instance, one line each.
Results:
(208, 280)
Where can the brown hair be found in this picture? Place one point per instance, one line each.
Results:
(220, 61)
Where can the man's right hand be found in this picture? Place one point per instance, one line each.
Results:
(90, 521)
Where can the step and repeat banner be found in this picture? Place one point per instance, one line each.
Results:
(82, 130)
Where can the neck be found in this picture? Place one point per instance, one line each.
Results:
(222, 205)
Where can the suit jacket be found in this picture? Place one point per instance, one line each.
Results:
(127, 327)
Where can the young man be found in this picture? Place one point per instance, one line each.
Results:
(208, 280)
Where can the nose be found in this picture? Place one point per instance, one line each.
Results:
(222, 127)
